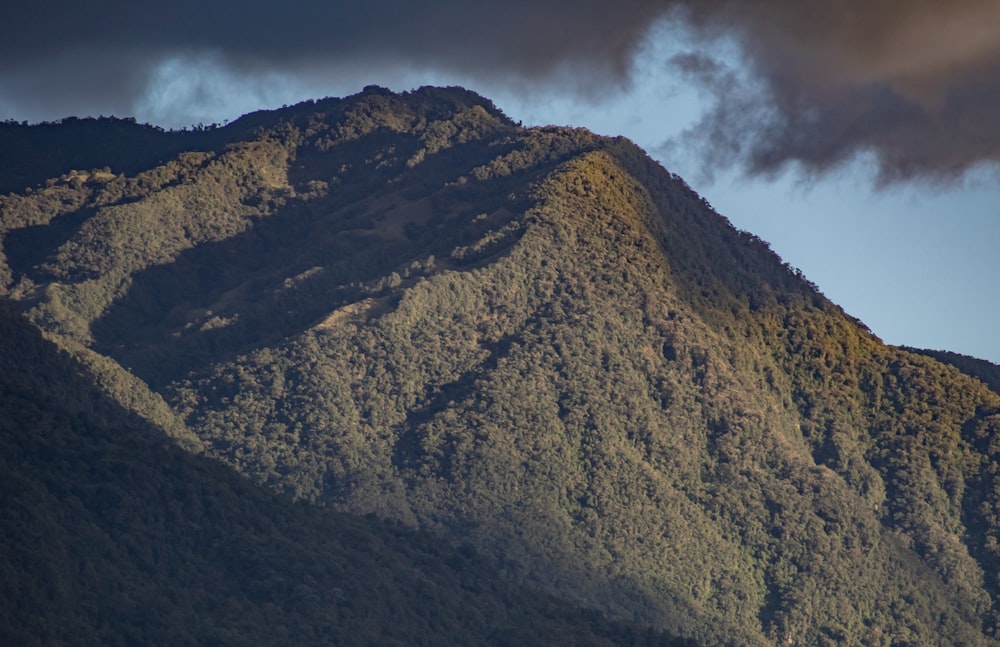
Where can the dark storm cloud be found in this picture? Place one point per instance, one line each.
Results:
(115, 43)
(916, 83)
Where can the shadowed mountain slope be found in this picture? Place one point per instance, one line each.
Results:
(537, 342)
(111, 535)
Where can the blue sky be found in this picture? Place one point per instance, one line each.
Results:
(798, 115)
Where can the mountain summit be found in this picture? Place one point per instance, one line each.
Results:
(533, 341)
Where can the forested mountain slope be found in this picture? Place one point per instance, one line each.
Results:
(111, 535)
(538, 342)
(983, 369)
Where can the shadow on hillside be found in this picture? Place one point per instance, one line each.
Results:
(315, 253)
(28, 247)
(83, 144)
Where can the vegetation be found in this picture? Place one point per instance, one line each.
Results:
(537, 343)
(114, 536)
(982, 369)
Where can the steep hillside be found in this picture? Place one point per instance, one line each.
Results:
(112, 536)
(538, 342)
(982, 369)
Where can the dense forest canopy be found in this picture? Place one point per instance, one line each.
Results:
(113, 535)
(536, 343)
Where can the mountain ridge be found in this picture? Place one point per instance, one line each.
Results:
(539, 342)
(982, 369)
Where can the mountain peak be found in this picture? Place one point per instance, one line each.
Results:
(535, 341)
(403, 110)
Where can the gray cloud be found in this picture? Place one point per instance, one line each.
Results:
(123, 38)
(914, 83)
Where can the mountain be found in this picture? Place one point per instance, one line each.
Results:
(113, 535)
(982, 369)
(533, 341)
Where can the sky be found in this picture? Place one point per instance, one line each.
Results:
(861, 139)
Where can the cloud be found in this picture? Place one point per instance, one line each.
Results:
(911, 83)
(116, 45)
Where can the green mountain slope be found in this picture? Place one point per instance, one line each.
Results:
(982, 369)
(539, 342)
(113, 536)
